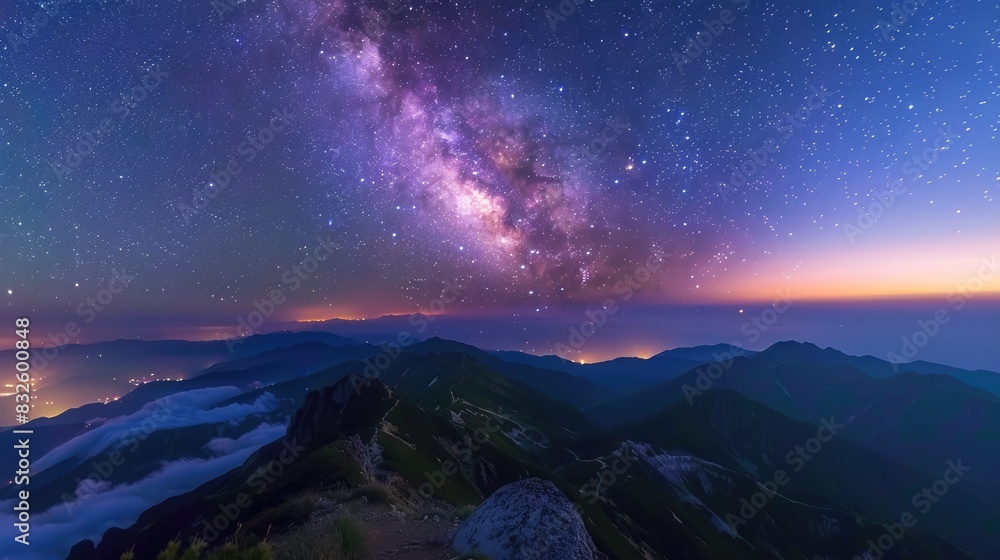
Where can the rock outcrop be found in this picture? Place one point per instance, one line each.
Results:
(339, 410)
(526, 520)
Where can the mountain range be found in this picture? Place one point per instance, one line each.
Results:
(708, 452)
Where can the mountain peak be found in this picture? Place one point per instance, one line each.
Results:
(794, 350)
(793, 344)
(704, 353)
(346, 406)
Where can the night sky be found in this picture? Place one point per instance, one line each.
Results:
(537, 154)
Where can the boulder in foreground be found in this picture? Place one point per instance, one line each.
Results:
(526, 520)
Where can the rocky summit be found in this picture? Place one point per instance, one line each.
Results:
(526, 520)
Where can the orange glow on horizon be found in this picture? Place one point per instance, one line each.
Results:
(920, 271)
(315, 317)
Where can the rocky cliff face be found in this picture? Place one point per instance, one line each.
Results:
(526, 520)
(338, 410)
(349, 411)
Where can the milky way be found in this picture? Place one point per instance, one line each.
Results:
(537, 159)
(509, 193)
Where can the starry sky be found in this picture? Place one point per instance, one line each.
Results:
(536, 153)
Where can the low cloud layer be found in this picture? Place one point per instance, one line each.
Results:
(189, 408)
(55, 531)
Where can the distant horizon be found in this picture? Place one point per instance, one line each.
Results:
(613, 343)
(417, 341)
